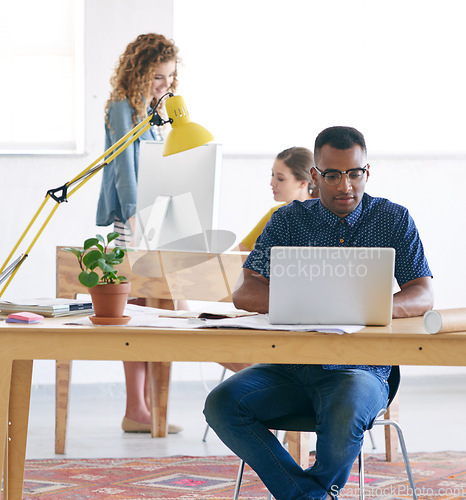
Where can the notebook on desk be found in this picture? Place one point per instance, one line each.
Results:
(331, 285)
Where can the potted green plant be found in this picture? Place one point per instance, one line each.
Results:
(109, 291)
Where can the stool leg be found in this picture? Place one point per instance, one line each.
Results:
(391, 441)
(372, 439)
(62, 389)
(239, 478)
(362, 494)
(298, 447)
(409, 472)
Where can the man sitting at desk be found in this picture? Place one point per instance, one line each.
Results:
(345, 398)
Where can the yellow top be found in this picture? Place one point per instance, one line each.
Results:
(250, 240)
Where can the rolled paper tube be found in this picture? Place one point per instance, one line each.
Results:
(445, 320)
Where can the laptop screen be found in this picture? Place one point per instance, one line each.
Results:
(331, 285)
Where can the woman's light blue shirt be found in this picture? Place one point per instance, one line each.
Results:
(118, 191)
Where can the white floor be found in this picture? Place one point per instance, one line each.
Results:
(432, 413)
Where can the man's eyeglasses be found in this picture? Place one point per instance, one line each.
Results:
(333, 177)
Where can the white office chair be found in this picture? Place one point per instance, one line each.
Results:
(305, 423)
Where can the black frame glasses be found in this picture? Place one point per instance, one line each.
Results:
(333, 177)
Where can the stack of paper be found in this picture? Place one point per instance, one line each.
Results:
(47, 307)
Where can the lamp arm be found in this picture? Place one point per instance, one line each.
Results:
(61, 194)
(60, 198)
(156, 119)
(153, 119)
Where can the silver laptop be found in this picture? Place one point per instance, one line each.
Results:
(331, 285)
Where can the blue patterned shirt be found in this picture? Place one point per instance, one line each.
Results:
(376, 222)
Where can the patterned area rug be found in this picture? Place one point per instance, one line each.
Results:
(439, 476)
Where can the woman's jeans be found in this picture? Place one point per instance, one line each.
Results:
(344, 403)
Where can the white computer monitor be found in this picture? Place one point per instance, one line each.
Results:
(178, 199)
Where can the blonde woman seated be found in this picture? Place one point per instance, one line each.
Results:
(291, 180)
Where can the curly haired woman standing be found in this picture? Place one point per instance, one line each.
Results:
(145, 72)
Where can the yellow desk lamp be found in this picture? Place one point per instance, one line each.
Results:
(184, 135)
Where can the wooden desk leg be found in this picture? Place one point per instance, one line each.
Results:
(5, 472)
(159, 382)
(20, 395)
(298, 447)
(5, 378)
(391, 436)
(159, 379)
(62, 389)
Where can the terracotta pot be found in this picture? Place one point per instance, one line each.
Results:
(109, 300)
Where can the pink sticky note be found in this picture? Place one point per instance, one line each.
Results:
(24, 317)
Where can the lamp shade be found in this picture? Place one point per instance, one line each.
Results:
(185, 134)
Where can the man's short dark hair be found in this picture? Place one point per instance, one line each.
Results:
(339, 138)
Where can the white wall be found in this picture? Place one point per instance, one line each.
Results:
(109, 26)
(280, 70)
(434, 198)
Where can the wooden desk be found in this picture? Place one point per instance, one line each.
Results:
(160, 277)
(402, 343)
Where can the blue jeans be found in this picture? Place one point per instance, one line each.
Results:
(344, 403)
